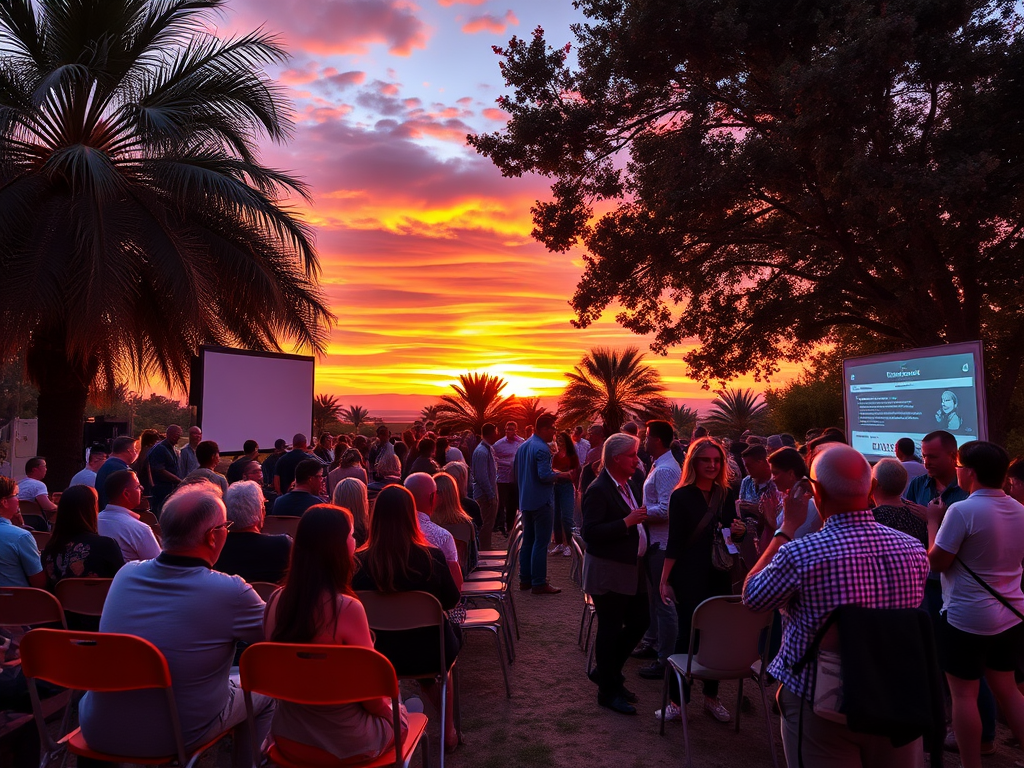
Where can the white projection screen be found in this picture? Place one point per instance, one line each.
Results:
(912, 393)
(241, 395)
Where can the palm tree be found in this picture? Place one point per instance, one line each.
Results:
(429, 412)
(477, 400)
(326, 408)
(613, 387)
(355, 415)
(684, 420)
(529, 411)
(735, 411)
(136, 221)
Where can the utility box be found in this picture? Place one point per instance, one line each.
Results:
(21, 439)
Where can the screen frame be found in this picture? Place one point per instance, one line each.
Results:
(198, 371)
(975, 348)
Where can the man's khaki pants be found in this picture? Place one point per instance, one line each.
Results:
(826, 744)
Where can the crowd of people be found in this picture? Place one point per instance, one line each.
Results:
(666, 523)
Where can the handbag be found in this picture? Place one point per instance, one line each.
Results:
(721, 558)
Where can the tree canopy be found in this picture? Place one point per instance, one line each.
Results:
(734, 411)
(769, 176)
(136, 221)
(477, 400)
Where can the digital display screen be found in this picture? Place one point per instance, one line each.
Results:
(912, 393)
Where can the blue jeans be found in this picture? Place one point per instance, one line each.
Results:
(565, 503)
(533, 558)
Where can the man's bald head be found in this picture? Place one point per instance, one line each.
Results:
(423, 488)
(843, 478)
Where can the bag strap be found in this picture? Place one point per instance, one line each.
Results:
(714, 508)
(990, 590)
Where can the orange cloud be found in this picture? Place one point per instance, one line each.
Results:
(489, 23)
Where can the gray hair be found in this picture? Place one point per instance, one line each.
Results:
(244, 501)
(389, 465)
(616, 445)
(890, 476)
(188, 515)
(843, 473)
(460, 473)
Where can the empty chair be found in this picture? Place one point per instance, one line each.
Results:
(327, 675)
(29, 607)
(724, 640)
(84, 596)
(85, 661)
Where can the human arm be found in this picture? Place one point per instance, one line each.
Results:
(542, 462)
(946, 533)
(601, 521)
(773, 579)
(483, 471)
(249, 610)
(658, 490)
(43, 500)
(160, 459)
(442, 583)
(145, 543)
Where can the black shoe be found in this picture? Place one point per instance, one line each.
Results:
(628, 695)
(644, 651)
(655, 671)
(616, 703)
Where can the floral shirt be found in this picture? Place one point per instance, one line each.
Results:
(87, 555)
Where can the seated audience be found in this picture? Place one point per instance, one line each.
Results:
(195, 616)
(448, 511)
(349, 465)
(317, 605)
(460, 472)
(117, 520)
(309, 479)
(350, 494)
(122, 453)
(422, 460)
(424, 493)
(76, 549)
(389, 472)
(19, 555)
(248, 553)
(852, 559)
(977, 546)
(251, 453)
(87, 476)
(208, 456)
(32, 488)
(888, 481)
(397, 558)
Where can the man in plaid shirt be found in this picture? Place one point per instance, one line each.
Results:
(852, 559)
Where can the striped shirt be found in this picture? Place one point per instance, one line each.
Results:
(851, 560)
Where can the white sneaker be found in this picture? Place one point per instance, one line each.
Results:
(672, 712)
(717, 711)
(556, 550)
(566, 551)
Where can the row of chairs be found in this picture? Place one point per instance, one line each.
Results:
(30, 607)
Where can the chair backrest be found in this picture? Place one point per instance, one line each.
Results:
(29, 508)
(461, 531)
(85, 595)
(264, 588)
(92, 661)
(36, 522)
(42, 539)
(28, 607)
(579, 542)
(327, 675)
(401, 611)
(277, 524)
(148, 518)
(729, 634)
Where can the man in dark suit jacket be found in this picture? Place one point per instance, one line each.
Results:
(613, 573)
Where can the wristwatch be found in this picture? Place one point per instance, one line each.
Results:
(783, 534)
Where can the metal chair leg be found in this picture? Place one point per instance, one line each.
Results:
(504, 667)
(768, 721)
(739, 704)
(682, 716)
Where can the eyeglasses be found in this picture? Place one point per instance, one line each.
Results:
(225, 525)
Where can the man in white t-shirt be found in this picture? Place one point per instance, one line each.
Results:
(116, 520)
(87, 476)
(980, 627)
(32, 488)
(424, 491)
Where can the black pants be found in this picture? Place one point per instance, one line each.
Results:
(508, 505)
(684, 611)
(621, 622)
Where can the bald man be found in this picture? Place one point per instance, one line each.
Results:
(424, 491)
(851, 560)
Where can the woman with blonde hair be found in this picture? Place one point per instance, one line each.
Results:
(350, 494)
(448, 512)
(700, 508)
(459, 471)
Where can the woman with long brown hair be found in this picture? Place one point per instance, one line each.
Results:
(317, 605)
(75, 548)
(700, 508)
(397, 558)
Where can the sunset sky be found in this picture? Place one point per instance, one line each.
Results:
(426, 250)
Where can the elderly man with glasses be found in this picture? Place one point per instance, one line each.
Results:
(195, 616)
